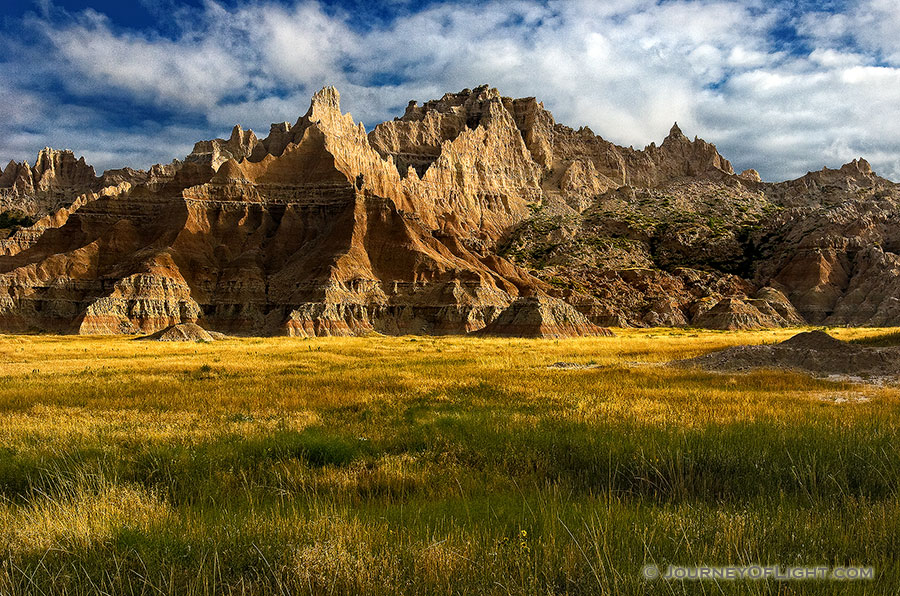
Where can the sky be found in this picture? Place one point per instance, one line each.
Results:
(784, 87)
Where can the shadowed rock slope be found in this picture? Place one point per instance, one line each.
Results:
(474, 212)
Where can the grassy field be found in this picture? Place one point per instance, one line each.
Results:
(434, 466)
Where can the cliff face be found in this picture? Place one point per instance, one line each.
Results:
(471, 213)
(312, 232)
(835, 249)
(56, 178)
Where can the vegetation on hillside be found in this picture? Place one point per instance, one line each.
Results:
(14, 219)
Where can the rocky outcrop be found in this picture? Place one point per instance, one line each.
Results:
(833, 250)
(53, 170)
(678, 156)
(325, 238)
(472, 213)
(185, 332)
(239, 146)
(56, 178)
(757, 313)
(541, 317)
(750, 175)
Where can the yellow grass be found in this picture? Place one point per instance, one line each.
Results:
(428, 465)
(79, 385)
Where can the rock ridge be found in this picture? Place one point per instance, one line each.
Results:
(472, 213)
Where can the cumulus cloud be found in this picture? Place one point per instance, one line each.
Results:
(870, 25)
(722, 68)
(194, 71)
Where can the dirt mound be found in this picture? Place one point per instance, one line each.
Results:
(185, 332)
(818, 341)
(813, 352)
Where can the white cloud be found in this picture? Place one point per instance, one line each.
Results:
(300, 46)
(18, 108)
(627, 69)
(195, 73)
(870, 25)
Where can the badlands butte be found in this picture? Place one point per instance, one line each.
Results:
(474, 213)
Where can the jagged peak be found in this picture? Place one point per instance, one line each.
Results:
(483, 91)
(50, 153)
(467, 98)
(49, 158)
(857, 172)
(326, 97)
(44, 156)
(324, 107)
(675, 133)
(241, 136)
(486, 92)
(8, 176)
(857, 165)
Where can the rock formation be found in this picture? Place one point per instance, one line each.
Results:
(324, 238)
(185, 332)
(55, 178)
(769, 309)
(541, 317)
(239, 146)
(470, 213)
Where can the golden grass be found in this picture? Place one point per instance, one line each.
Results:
(429, 465)
(111, 379)
(78, 518)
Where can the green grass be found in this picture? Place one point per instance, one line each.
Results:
(14, 219)
(885, 340)
(433, 466)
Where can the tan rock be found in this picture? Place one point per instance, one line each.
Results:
(185, 332)
(440, 222)
(541, 317)
(55, 181)
(732, 314)
(214, 153)
(751, 175)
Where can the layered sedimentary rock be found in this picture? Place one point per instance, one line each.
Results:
(768, 308)
(543, 317)
(833, 250)
(671, 232)
(56, 178)
(471, 213)
(185, 332)
(324, 238)
(240, 145)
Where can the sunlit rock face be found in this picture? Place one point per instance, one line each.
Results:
(471, 213)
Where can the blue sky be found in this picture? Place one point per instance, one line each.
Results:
(783, 87)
